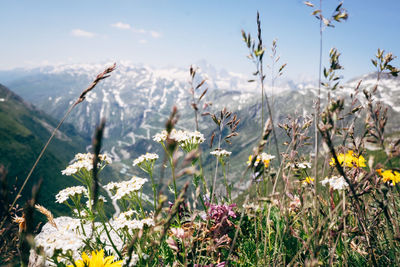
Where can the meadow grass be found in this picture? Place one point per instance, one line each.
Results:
(338, 207)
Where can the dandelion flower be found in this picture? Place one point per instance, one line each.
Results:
(350, 159)
(389, 176)
(308, 180)
(97, 260)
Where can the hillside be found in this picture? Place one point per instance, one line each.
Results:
(23, 132)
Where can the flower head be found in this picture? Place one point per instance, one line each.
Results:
(336, 182)
(85, 162)
(221, 154)
(389, 176)
(146, 162)
(160, 137)
(68, 192)
(350, 159)
(186, 140)
(308, 180)
(97, 260)
(126, 188)
(263, 157)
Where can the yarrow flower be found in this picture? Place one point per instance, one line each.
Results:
(160, 137)
(85, 162)
(125, 188)
(350, 159)
(263, 157)
(97, 260)
(336, 182)
(146, 162)
(389, 176)
(64, 238)
(68, 192)
(221, 153)
(300, 165)
(124, 220)
(186, 140)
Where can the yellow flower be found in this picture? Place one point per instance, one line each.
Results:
(350, 159)
(97, 260)
(389, 175)
(264, 157)
(308, 180)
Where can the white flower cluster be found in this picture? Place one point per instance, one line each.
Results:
(161, 137)
(125, 188)
(63, 238)
(68, 237)
(336, 182)
(124, 220)
(84, 161)
(68, 192)
(221, 153)
(187, 140)
(146, 157)
(300, 165)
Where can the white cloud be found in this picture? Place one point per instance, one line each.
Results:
(139, 30)
(143, 41)
(121, 25)
(155, 34)
(82, 33)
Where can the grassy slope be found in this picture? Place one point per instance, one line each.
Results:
(23, 133)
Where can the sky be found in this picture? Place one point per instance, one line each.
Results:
(172, 33)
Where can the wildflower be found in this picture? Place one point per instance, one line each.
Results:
(263, 157)
(64, 238)
(350, 159)
(186, 140)
(68, 192)
(126, 188)
(294, 204)
(299, 165)
(124, 220)
(160, 137)
(221, 153)
(85, 162)
(179, 233)
(97, 260)
(389, 175)
(146, 162)
(336, 182)
(151, 157)
(219, 212)
(308, 180)
(21, 222)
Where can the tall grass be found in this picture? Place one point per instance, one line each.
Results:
(342, 209)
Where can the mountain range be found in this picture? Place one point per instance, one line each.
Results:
(137, 100)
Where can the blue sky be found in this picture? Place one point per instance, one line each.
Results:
(178, 33)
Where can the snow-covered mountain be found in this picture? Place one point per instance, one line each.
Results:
(137, 100)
